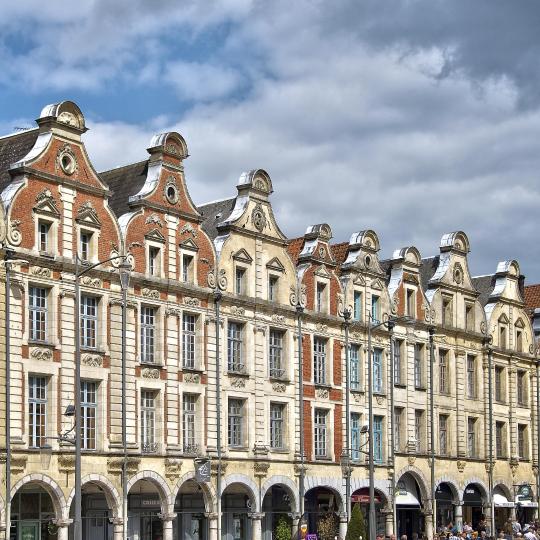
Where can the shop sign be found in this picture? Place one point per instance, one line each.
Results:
(401, 488)
(525, 493)
(312, 537)
(150, 502)
(202, 470)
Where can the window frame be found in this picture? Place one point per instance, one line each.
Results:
(235, 347)
(149, 420)
(378, 370)
(236, 423)
(275, 422)
(320, 363)
(189, 340)
(89, 408)
(89, 323)
(149, 335)
(37, 410)
(277, 354)
(36, 312)
(190, 444)
(321, 442)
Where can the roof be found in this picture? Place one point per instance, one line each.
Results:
(484, 285)
(339, 251)
(13, 148)
(532, 296)
(214, 213)
(428, 268)
(295, 247)
(124, 182)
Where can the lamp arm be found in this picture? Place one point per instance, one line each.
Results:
(99, 263)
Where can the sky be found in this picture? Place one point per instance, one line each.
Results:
(409, 117)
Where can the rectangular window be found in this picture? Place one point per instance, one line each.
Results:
(418, 428)
(471, 437)
(519, 340)
(88, 415)
(235, 341)
(148, 335)
(154, 261)
(148, 421)
(187, 268)
(378, 439)
(471, 377)
(85, 245)
(411, 303)
(319, 361)
(398, 344)
(273, 288)
(236, 421)
(189, 411)
(239, 280)
(443, 434)
(377, 370)
(469, 317)
(275, 349)
(418, 371)
(499, 384)
(374, 309)
(398, 428)
(443, 372)
(500, 439)
(320, 303)
(44, 230)
(321, 450)
(523, 441)
(89, 321)
(37, 411)
(189, 325)
(521, 389)
(356, 443)
(38, 313)
(277, 426)
(357, 306)
(447, 312)
(502, 336)
(354, 362)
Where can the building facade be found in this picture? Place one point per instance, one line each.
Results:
(217, 298)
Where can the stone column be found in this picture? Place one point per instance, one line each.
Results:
(167, 525)
(63, 528)
(342, 525)
(389, 521)
(118, 528)
(458, 516)
(428, 524)
(212, 518)
(256, 530)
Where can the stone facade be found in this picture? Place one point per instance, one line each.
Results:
(183, 258)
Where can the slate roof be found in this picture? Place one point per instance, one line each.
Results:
(532, 296)
(124, 182)
(13, 148)
(484, 285)
(428, 267)
(214, 213)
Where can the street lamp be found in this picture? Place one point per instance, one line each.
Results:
(217, 302)
(77, 522)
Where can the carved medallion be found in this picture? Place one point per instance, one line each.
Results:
(258, 218)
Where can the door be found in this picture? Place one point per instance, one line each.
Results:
(29, 530)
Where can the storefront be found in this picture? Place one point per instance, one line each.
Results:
(473, 505)
(144, 522)
(410, 518)
(276, 507)
(191, 523)
(32, 515)
(525, 506)
(235, 522)
(446, 508)
(361, 496)
(321, 510)
(503, 507)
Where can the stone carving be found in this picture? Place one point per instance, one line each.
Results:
(189, 229)
(41, 354)
(238, 383)
(321, 327)
(154, 218)
(173, 312)
(322, 393)
(14, 234)
(458, 274)
(258, 217)
(91, 282)
(92, 360)
(514, 464)
(40, 271)
(194, 378)
(150, 293)
(193, 302)
(411, 460)
(170, 191)
(294, 298)
(173, 467)
(66, 160)
(221, 280)
(278, 387)
(357, 397)
(150, 373)
(461, 465)
(114, 465)
(260, 468)
(322, 252)
(379, 400)
(278, 318)
(66, 463)
(483, 328)
(214, 465)
(237, 310)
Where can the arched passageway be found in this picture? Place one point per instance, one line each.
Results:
(322, 507)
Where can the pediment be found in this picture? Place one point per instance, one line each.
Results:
(243, 256)
(377, 285)
(520, 323)
(155, 236)
(189, 244)
(275, 264)
(359, 281)
(322, 272)
(503, 319)
(87, 215)
(46, 205)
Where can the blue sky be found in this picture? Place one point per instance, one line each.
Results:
(411, 117)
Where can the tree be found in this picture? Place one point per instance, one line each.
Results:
(327, 527)
(283, 529)
(357, 525)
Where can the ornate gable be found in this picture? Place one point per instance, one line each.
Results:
(87, 215)
(46, 205)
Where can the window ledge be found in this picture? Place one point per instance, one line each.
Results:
(36, 343)
(279, 450)
(285, 380)
(92, 351)
(47, 254)
(323, 458)
(322, 385)
(400, 385)
(192, 369)
(238, 448)
(356, 390)
(380, 394)
(238, 373)
(151, 365)
(420, 388)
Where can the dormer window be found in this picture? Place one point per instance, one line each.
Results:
(502, 336)
(320, 298)
(240, 280)
(154, 261)
(85, 245)
(469, 316)
(357, 306)
(447, 317)
(187, 268)
(410, 306)
(44, 231)
(375, 309)
(273, 288)
(519, 340)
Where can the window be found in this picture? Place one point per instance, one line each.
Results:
(357, 306)
(443, 372)
(148, 421)
(38, 313)
(521, 389)
(418, 427)
(187, 269)
(319, 361)
(502, 336)
(154, 261)
(320, 300)
(189, 410)
(523, 441)
(499, 384)
(471, 437)
(469, 317)
(398, 344)
(37, 411)
(398, 428)
(471, 377)
(375, 309)
(500, 439)
(88, 414)
(410, 307)
(85, 245)
(377, 370)
(44, 231)
(443, 434)
(148, 335)
(239, 280)
(447, 312)
(234, 347)
(277, 426)
(321, 450)
(355, 436)
(189, 324)
(354, 363)
(418, 371)
(519, 340)
(89, 322)
(378, 439)
(273, 288)
(275, 346)
(236, 421)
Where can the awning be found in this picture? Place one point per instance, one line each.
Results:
(527, 504)
(501, 501)
(406, 492)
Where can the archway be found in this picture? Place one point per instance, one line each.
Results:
(409, 506)
(503, 504)
(361, 497)
(474, 499)
(237, 504)
(190, 507)
(277, 505)
(446, 498)
(322, 507)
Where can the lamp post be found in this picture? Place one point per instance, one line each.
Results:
(77, 521)
(432, 430)
(217, 302)
(487, 343)
(301, 488)
(346, 454)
